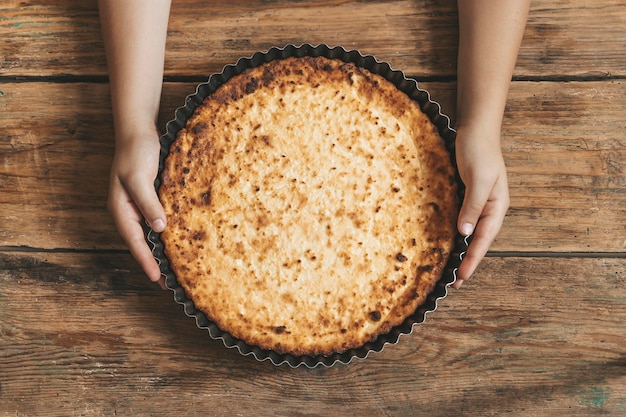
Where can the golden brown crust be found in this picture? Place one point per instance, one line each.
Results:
(311, 206)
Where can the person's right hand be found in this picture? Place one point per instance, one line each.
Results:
(132, 196)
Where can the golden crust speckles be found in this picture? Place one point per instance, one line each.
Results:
(311, 206)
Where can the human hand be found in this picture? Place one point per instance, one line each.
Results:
(132, 196)
(482, 170)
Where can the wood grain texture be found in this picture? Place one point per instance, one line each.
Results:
(579, 38)
(56, 149)
(538, 331)
(89, 334)
(564, 146)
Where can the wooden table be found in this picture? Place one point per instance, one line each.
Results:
(539, 331)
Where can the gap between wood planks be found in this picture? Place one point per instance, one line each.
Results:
(30, 249)
(492, 254)
(103, 79)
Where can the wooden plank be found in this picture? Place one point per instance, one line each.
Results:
(390, 30)
(563, 39)
(50, 38)
(565, 150)
(567, 168)
(86, 334)
(55, 162)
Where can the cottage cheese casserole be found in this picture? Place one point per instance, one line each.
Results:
(311, 206)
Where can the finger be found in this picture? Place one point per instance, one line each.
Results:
(484, 235)
(475, 253)
(147, 201)
(473, 205)
(128, 223)
(142, 253)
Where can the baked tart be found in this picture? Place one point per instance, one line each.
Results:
(311, 206)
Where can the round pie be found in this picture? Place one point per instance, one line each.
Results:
(311, 206)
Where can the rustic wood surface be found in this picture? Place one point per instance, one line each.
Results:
(539, 331)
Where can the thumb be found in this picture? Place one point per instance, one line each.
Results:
(147, 201)
(472, 208)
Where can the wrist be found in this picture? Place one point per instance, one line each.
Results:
(133, 131)
(134, 114)
(483, 130)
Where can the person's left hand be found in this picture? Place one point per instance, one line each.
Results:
(482, 170)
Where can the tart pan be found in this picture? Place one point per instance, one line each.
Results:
(410, 87)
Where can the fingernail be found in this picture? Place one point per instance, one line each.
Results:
(467, 229)
(158, 225)
(458, 283)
